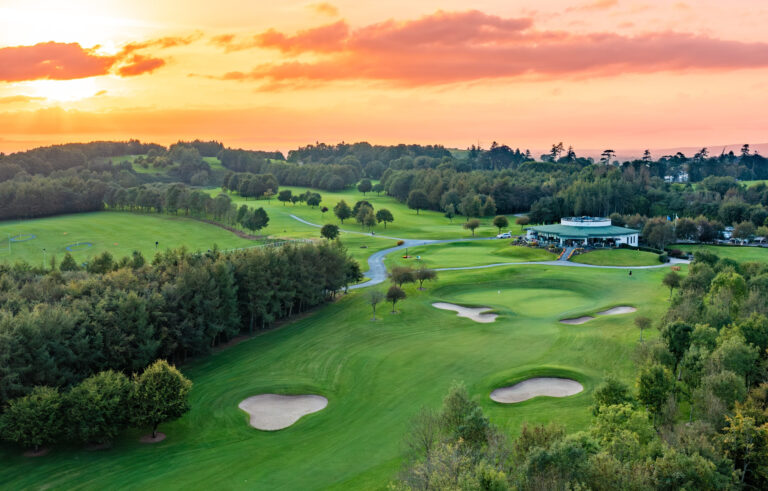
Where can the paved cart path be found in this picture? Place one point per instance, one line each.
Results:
(377, 271)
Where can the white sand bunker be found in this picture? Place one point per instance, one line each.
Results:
(476, 315)
(274, 412)
(618, 310)
(534, 387)
(614, 311)
(577, 320)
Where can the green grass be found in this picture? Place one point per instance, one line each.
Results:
(136, 167)
(740, 254)
(408, 224)
(376, 377)
(749, 184)
(469, 254)
(116, 232)
(214, 163)
(617, 257)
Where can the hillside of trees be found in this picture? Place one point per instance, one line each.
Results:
(473, 183)
(61, 325)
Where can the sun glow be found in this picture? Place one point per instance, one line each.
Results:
(62, 90)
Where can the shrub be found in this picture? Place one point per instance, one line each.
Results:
(676, 253)
(523, 220)
(663, 258)
(400, 242)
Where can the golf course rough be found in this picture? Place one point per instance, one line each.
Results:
(271, 412)
(535, 387)
(476, 314)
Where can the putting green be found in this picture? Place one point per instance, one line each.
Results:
(476, 253)
(617, 257)
(527, 300)
(375, 376)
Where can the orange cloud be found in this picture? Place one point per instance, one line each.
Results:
(68, 61)
(328, 38)
(15, 99)
(596, 5)
(449, 47)
(324, 8)
(163, 43)
(52, 61)
(138, 65)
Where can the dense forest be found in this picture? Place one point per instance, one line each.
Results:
(61, 325)
(696, 417)
(473, 183)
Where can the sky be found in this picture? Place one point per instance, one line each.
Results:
(274, 75)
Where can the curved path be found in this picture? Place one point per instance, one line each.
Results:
(377, 271)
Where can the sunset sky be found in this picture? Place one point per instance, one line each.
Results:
(274, 75)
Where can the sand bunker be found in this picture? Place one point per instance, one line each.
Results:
(586, 318)
(476, 315)
(271, 412)
(577, 320)
(618, 310)
(534, 387)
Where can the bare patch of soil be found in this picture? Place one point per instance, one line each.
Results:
(159, 437)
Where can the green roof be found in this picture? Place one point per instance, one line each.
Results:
(570, 232)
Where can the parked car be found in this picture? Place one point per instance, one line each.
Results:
(505, 235)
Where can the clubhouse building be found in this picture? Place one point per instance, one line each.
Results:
(584, 232)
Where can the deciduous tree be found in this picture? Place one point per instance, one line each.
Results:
(472, 225)
(342, 210)
(394, 295)
(160, 394)
(329, 231)
(500, 222)
(33, 420)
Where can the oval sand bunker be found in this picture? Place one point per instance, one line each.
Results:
(618, 310)
(534, 387)
(476, 315)
(271, 412)
(614, 311)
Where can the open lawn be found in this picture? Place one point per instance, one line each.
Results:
(408, 224)
(116, 232)
(376, 376)
(617, 257)
(474, 253)
(740, 254)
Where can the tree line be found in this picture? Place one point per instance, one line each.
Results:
(61, 325)
(472, 183)
(178, 198)
(96, 410)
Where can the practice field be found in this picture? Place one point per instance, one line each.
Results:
(617, 257)
(375, 376)
(476, 253)
(88, 234)
(740, 254)
(407, 225)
